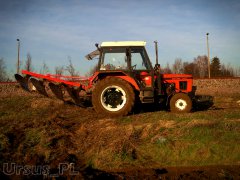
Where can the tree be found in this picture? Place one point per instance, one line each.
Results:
(190, 68)
(44, 69)
(59, 70)
(3, 74)
(178, 66)
(92, 70)
(70, 68)
(227, 71)
(28, 63)
(167, 69)
(237, 72)
(202, 66)
(215, 67)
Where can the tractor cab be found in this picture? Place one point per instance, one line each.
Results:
(128, 57)
(128, 60)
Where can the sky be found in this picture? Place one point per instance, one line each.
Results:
(52, 31)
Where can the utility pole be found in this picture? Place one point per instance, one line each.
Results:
(209, 73)
(18, 61)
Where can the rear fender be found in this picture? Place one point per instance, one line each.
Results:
(122, 75)
(131, 81)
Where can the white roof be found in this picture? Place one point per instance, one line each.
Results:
(123, 43)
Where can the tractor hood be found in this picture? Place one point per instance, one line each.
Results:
(176, 76)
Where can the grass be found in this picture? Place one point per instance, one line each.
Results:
(201, 145)
(188, 143)
(34, 130)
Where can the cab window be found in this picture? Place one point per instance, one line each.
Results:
(138, 59)
(114, 59)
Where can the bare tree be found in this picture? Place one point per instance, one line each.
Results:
(28, 63)
(227, 70)
(178, 66)
(237, 72)
(44, 69)
(71, 69)
(167, 69)
(201, 65)
(92, 70)
(230, 69)
(59, 70)
(3, 74)
(192, 68)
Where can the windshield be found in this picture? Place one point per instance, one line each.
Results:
(119, 58)
(114, 59)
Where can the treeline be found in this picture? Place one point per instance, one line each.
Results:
(58, 70)
(44, 69)
(199, 68)
(3, 73)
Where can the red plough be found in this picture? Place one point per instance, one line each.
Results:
(58, 84)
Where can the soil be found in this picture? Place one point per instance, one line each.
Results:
(207, 172)
(77, 134)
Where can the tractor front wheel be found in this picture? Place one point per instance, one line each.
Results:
(180, 103)
(113, 97)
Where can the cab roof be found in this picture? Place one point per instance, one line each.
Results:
(123, 43)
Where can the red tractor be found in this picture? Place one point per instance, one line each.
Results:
(123, 77)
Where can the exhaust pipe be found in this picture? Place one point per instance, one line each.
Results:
(157, 70)
(156, 50)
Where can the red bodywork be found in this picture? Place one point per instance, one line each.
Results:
(123, 76)
(170, 79)
(86, 83)
(176, 78)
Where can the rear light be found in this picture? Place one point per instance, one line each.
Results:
(148, 81)
(147, 78)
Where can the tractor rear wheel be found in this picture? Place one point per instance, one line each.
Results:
(180, 103)
(113, 97)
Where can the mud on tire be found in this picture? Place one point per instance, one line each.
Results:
(113, 97)
(180, 103)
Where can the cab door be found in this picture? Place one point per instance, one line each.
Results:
(141, 67)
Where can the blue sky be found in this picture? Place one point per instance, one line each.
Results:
(53, 30)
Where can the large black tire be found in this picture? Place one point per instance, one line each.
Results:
(180, 103)
(113, 97)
